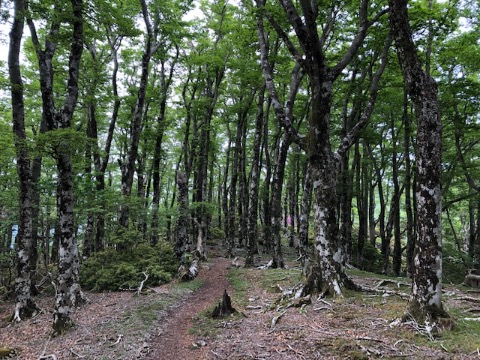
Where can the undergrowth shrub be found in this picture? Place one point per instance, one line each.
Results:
(114, 270)
(455, 264)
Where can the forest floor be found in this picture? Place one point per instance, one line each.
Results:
(172, 321)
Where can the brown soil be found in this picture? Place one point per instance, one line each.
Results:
(157, 325)
(173, 340)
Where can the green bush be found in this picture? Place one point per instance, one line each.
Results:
(455, 264)
(114, 270)
(217, 233)
(372, 258)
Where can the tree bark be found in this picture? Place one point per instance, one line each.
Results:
(303, 242)
(252, 231)
(68, 293)
(182, 240)
(408, 188)
(24, 304)
(425, 303)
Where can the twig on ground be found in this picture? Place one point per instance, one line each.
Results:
(120, 337)
(397, 342)
(296, 351)
(76, 354)
(368, 338)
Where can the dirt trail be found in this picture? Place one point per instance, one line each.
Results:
(173, 340)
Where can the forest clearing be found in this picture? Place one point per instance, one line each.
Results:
(173, 321)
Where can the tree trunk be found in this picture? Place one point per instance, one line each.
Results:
(252, 232)
(68, 291)
(408, 188)
(24, 304)
(128, 168)
(397, 246)
(182, 240)
(232, 205)
(303, 243)
(276, 201)
(362, 202)
(426, 301)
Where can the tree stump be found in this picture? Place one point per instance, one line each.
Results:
(224, 308)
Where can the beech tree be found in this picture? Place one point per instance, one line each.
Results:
(24, 304)
(59, 121)
(425, 303)
(328, 275)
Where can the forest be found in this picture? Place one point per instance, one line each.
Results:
(141, 137)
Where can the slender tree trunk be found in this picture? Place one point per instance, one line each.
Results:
(276, 201)
(303, 243)
(426, 301)
(252, 221)
(165, 81)
(361, 200)
(385, 240)
(232, 205)
(182, 237)
(128, 168)
(408, 188)
(397, 246)
(267, 206)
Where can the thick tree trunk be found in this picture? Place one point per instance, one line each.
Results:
(24, 304)
(68, 291)
(426, 301)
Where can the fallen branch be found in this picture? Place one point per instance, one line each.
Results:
(50, 356)
(140, 287)
(468, 298)
(385, 292)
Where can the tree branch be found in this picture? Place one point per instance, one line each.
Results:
(352, 136)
